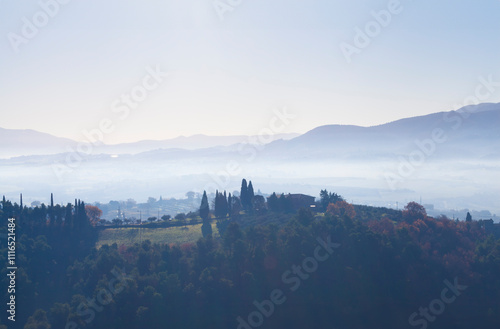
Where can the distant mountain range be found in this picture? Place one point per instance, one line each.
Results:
(18, 142)
(472, 131)
(455, 156)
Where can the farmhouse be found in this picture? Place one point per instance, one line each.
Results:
(298, 201)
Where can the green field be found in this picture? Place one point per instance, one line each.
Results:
(129, 236)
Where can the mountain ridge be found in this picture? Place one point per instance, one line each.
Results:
(462, 127)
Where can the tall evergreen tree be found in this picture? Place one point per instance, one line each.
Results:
(243, 191)
(216, 204)
(204, 208)
(468, 218)
(244, 197)
(251, 193)
(229, 204)
(51, 209)
(273, 202)
(206, 229)
(220, 205)
(68, 217)
(285, 204)
(224, 204)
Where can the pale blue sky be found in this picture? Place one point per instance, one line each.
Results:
(227, 76)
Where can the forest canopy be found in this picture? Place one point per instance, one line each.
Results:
(347, 266)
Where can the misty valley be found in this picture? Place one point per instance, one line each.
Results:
(231, 164)
(244, 261)
(388, 226)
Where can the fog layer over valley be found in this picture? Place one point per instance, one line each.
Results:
(450, 160)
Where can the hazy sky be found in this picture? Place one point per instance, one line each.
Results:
(226, 76)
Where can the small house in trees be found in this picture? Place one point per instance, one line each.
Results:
(491, 227)
(301, 201)
(296, 201)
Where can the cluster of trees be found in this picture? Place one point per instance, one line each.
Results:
(223, 205)
(341, 208)
(380, 272)
(386, 265)
(72, 225)
(279, 204)
(49, 238)
(246, 194)
(249, 202)
(327, 198)
(227, 205)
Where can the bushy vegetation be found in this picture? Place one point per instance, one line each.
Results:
(347, 267)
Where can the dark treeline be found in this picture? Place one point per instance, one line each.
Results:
(48, 239)
(342, 267)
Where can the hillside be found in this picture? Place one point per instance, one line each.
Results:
(469, 132)
(18, 142)
(321, 268)
(458, 169)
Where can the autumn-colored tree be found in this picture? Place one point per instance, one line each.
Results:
(414, 211)
(328, 197)
(382, 226)
(341, 208)
(93, 213)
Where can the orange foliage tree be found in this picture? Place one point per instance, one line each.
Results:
(93, 213)
(341, 208)
(414, 211)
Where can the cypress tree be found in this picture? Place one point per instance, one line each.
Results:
(243, 192)
(225, 206)
(206, 229)
(468, 218)
(220, 204)
(204, 208)
(68, 217)
(273, 202)
(51, 209)
(216, 203)
(251, 193)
